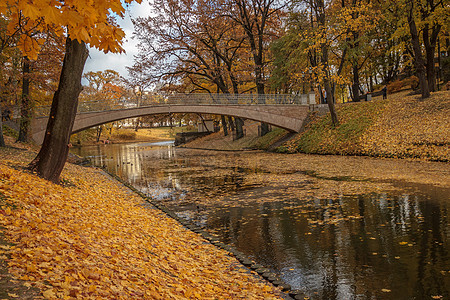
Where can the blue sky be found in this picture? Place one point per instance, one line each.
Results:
(99, 61)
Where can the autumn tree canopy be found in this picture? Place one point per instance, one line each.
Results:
(81, 22)
(340, 49)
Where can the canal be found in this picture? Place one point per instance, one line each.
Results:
(332, 227)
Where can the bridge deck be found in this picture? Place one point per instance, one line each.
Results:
(285, 111)
(188, 99)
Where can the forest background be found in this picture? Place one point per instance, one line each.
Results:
(343, 49)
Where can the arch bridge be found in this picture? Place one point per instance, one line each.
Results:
(287, 111)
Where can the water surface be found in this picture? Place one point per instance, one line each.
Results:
(324, 235)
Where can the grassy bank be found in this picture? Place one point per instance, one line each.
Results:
(92, 238)
(251, 140)
(404, 126)
(124, 135)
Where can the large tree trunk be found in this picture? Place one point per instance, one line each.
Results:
(53, 154)
(430, 49)
(324, 60)
(25, 111)
(239, 128)
(224, 125)
(418, 59)
(355, 85)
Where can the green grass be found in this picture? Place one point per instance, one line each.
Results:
(264, 142)
(321, 137)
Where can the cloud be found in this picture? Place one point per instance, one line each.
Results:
(99, 61)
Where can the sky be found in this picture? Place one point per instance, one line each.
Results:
(99, 61)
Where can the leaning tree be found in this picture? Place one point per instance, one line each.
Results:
(82, 22)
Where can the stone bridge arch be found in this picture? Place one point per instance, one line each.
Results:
(290, 117)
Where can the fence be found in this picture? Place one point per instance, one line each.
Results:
(189, 99)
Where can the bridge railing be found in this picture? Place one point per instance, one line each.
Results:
(188, 99)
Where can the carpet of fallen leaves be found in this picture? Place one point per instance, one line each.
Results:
(404, 126)
(411, 127)
(92, 238)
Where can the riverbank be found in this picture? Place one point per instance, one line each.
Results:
(403, 126)
(250, 141)
(93, 238)
(127, 135)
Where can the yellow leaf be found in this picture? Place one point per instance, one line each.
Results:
(51, 13)
(49, 294)
(30, 11)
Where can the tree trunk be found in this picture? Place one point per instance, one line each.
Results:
(53, 154)
(324, 61)
(418, 59)
(260, 89)
(224, 125)
(239, 128)
(2, 140)
(355, 85)
(430, 49)
(330, 102)
(203, 122)
(327, 84)
(25, 112)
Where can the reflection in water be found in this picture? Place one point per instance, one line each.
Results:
(373, 246)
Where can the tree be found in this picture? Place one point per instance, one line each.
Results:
(53, 154)
(192, 45)
(25, 111)
(105, 90)
(84, 22)
(37, 79)
(434, 15)
(7, 40)
(418, 59)
(255, 17)
(419, 23)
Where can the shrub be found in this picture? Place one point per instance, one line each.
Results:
(394, 86)
(411, 82)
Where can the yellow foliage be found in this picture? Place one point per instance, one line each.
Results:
(90, 21)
